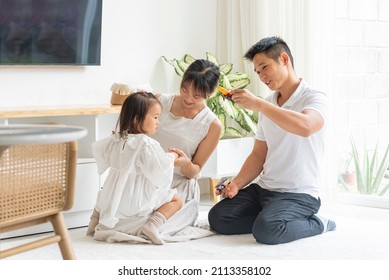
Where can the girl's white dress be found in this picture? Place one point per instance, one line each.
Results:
(139, 178)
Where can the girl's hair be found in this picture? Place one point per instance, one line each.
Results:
(203, 75)
(272, 47)
(134, 111)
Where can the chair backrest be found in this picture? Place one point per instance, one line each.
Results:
(36, 181)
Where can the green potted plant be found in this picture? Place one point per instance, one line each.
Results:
(238, 123)
(370, 170)
(231, 115)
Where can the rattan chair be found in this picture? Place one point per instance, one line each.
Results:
(37, 182)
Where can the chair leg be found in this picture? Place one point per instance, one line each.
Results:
(60, 229)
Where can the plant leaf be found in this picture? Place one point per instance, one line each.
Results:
(366, 171)
(188, 59)
(222, 119)
(232, 133)
(170, 61)
(179, 65)
(225, 82)
(372, 166)
(369, 177)
(213, 103)
(182, 66)
(253, 115)
(358, 169)
(246, 122)
(381, 170)
(228, 108)
(225, 68)
(238, 80)
(384, 190)
(212, 58)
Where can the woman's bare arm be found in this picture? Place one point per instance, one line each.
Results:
(191, 169)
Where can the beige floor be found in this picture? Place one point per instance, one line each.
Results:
(362, 234)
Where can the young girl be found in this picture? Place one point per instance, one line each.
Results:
(140, 175)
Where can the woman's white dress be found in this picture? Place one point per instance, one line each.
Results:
(184, 134)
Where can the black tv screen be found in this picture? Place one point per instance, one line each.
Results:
(50, 32)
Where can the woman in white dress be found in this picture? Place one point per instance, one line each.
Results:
(187, 124)
(189, 128)
(137, 187)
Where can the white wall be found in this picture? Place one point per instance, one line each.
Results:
(135, 34)
(362, 73)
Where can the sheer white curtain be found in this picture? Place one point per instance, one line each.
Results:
(307, 27)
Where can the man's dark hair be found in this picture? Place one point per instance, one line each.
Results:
(272, 47)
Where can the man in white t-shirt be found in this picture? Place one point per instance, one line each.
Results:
(286, 158)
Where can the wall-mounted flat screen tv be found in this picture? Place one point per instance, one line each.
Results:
(50, 32)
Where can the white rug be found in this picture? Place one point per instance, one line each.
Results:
(362, 234)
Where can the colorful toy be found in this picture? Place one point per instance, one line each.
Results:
(225, 93)
(222, 184)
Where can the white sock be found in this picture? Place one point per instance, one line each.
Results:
(329, 225)
(151, 228)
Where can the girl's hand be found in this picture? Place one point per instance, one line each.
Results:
(182, 158)
(175, 155)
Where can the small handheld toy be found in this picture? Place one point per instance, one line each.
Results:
(225, 93)
(222, 184)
